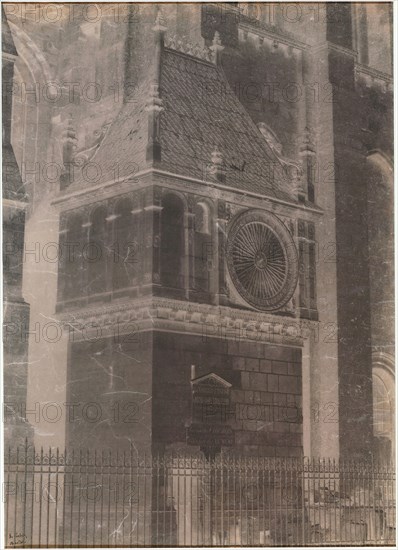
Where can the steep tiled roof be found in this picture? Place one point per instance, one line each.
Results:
(200, 113)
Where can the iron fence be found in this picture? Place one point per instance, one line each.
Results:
(106, 499)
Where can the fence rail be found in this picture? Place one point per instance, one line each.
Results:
(97, 499)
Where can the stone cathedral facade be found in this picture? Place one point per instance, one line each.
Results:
(210, 228)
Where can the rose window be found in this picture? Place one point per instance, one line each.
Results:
(262, 259)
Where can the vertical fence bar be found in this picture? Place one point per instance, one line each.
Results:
(234, 502)
(14, 535)
(358, 492)
(301, 503)
(56, 498)
(193, 489)
(64, 478)
(388, 497)
(125, 485)
(220, 502)
(343, 478)
(199, 519)
(185, 500)
(258, 511)
(138, 465)
(86, 497)
(33, 476)
(267, 488)
(342, 498)
(40, 492)
(352, 489)
(165, 506)
(137, 476)
(80, 496)
(102, 497)
(132, 496)
(156, 514)
(115, 511)
(95, 495)
(23, 497)
(48, 498)
(109, 497)
(145, 489)
(7, 497)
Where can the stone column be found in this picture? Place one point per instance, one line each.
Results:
(157, 212)
(190, 225)
(323, 344)
(222, 220)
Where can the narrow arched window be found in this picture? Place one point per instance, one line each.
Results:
(382, 410)
(204, 252)
(71, 245)
(124, 247)
(96, 253)
(383, 420)
(172, 242)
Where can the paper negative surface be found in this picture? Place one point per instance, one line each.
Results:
(198, 274)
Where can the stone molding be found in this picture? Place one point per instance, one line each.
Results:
(151, 176)
(182, 45)
(260, 30)
(372, 77)
(189, 318)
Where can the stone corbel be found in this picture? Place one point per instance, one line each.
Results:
(84, 156)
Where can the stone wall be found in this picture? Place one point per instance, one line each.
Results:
(265, 402)
(109, 392)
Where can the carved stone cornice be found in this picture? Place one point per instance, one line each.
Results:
(375, 73)
(167, 180)
(255, 27)
(183, 46)
(205, 320)
(373, 77)
(95, 194)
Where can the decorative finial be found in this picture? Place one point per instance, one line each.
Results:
(217, 167)
(217, 39)
(69, 145)
(160, 22)
(154, 101)
(69, 133)
(154, 106)
(216, 48)
(216, 157)
(69, 140)
(308, 144)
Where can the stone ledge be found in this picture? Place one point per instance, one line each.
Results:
(191, 318)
